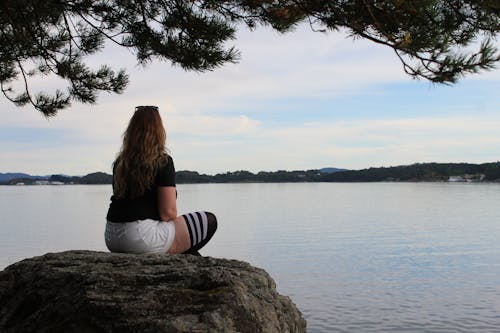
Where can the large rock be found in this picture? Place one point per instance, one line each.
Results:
(84, 291)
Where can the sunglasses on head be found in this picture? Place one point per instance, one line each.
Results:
(146, 107)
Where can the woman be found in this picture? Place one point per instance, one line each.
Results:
(142, 216)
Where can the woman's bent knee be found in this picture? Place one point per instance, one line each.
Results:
(212, 223)
(212, 219)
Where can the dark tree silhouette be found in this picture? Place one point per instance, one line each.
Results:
(433, 39)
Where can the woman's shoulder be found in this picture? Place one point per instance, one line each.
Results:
(166, 174)
(165, 159)
(167, 163)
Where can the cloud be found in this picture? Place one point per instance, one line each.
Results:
(369, 142)
(76, 159)
(210, 125)
(351, 144)
(221, 120)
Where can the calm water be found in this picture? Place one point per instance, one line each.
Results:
(382, 257)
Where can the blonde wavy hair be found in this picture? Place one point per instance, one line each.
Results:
(143, 152)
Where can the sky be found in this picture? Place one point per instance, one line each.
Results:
(298, 101)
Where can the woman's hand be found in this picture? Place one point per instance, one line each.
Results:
(167, 202)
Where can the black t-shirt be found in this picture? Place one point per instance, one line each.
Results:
(145, 206)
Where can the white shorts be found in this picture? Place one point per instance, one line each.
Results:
(145, 236)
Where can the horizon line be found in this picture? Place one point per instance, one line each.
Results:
(242, 170)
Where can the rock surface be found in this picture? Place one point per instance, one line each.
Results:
(85, 291)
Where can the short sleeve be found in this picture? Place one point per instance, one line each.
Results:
(166, 175)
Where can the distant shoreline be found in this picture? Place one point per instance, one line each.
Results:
(285, 182)
(419, 172)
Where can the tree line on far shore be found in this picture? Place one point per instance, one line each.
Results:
(414, 172)
(421, 172)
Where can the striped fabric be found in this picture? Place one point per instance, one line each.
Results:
(197, 226)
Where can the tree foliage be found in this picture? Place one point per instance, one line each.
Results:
(414, 172)
(433, 39)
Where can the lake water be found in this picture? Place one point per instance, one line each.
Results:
(362, 257)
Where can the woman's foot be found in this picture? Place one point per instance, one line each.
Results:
(192, 252)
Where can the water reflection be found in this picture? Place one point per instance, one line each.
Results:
(401, 257)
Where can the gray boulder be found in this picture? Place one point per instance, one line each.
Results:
(85, 291)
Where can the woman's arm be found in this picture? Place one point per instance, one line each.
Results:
(167, 204)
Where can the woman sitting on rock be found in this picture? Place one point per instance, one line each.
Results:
(142, 216)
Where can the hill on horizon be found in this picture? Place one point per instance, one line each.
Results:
(5, 177)
(331, 170)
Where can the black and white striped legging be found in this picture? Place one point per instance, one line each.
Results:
(201, 227)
